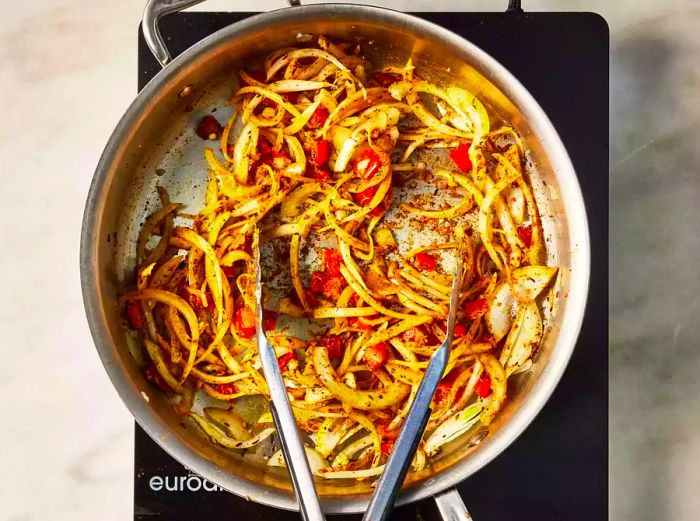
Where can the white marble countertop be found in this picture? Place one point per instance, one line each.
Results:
(68, 71)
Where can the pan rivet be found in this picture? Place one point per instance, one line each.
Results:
(186, 91)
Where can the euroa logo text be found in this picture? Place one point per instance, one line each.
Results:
(190, 483)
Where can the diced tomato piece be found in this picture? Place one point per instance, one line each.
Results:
(333, 287)
(476, 308)
(460, 156)
(525, 235)
(228, 388)
(365, 197)
(244, 322)
(483, 386)
(331, 261)
(376, 355)
(322, 153)
(367, 164)
(269, 319)
(229, 271)
(135, 316)
(386, 78)
(360, 324)
(153, 377)
(319, 117)
(460, 330)
(387, 446)
(318, 281)
(209, 128)
(425, 261)
(283, 361)
(334, 345)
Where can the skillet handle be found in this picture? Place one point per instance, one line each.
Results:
(452, 507)
(152, 13)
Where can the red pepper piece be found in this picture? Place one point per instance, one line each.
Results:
(425, 261)
(333, 287)
(331, 261)
(209, 128)
(318, 281)
(365, 197)
(244, 322)
(322, 174)
(476, 308)
(460, 156)
(319, 117)
(360, 324)
(283, 361)
(229, 271)
(367, 164)
(525, 235)
(334, 345)
(323, 152)
(387, 446)
(228, 388)
(376, 356)
(269, 319)
(460, 330)
(135, 315)
(483, 386)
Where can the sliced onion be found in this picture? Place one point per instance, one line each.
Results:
(529, 281)
(232, 424)
(453, 428)
(218, 436)
(293, 204)
(297, 85)
(499, 316)
(316, 461)
(353, 474)
(493, 403)
(364, 400)
(523, 339)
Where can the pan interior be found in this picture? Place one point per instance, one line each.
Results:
(160, 148)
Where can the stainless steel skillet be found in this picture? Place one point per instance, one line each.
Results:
(153, 144)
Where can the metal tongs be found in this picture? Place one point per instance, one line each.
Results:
(411, 433)
(292, 447)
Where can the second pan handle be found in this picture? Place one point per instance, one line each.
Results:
(155, 9)
(451, 506)
(152, 13)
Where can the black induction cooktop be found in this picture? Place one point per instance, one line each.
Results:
(558, 468)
